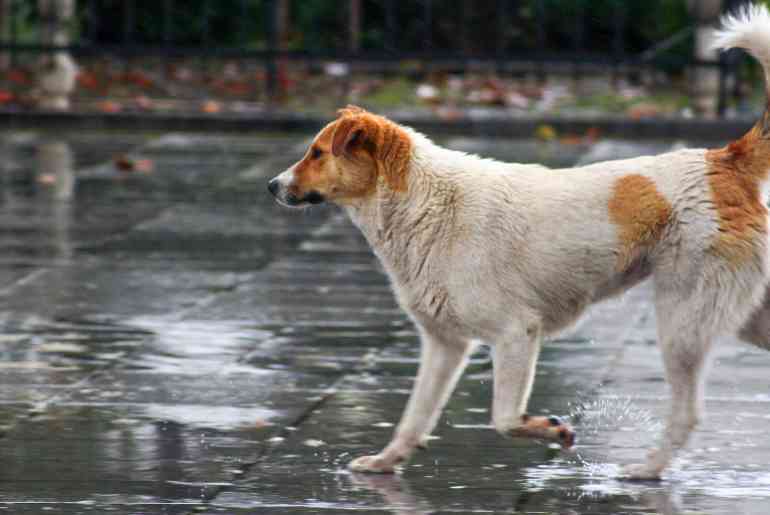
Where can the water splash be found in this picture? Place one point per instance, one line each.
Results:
(609, 425)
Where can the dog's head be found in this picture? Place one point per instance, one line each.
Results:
(348, 160)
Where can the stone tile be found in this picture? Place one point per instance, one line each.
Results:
(77, 508)
(167, 332)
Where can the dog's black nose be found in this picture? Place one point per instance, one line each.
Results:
(273, 186)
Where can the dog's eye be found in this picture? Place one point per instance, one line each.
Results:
(316, 153)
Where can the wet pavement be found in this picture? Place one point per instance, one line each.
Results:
(173, 342)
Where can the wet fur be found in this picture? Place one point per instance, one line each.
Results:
(506, 253)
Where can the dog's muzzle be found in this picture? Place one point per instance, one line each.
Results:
(276, 188)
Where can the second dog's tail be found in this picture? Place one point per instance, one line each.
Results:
(749, 29)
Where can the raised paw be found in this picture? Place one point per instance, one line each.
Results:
(547, 428)
(373, 464)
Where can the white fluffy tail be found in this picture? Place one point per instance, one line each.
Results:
(748, 29)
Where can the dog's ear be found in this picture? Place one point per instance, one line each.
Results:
(348, 133)
(385, 141)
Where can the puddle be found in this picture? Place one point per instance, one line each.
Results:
(221, 418)
(160, 331)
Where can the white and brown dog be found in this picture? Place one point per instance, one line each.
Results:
(506, 253)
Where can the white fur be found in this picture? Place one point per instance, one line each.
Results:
(507, 253)
(749, 29)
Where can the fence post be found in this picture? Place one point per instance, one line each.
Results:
(354, 14)
(5, 31)
(277, 41)
(708, 80)
(271, 16)
(618, 39)
(57, 70)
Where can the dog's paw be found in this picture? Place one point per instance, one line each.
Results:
(640, 472)
(565, 434)
(374, 464)
(549, 428)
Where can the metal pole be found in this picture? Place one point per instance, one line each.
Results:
(540, 20)
(390, 21)
(427, 16)
(93, 21)
(14, 30)
(5, 31)
(128, 21)
(168, 11)
(205, 36)
(722, 93)
(271, 17)
(708, 82)
(243, 25)
(502, 24)
(354, 12)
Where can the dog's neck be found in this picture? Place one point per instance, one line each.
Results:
(405, 229)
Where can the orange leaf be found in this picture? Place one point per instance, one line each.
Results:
(108, 106)
(124, 163)
(46, 178)
(211, 107)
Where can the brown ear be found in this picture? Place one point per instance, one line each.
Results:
(349, 131)
(387, 143)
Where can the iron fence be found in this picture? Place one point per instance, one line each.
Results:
(416, 36)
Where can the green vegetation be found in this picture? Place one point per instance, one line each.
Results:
(395, 93)
(322, 25)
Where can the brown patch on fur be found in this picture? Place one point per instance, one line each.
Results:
(312, 173)
(387, 143)
(350, 155)
(641, 214)
(735, 174)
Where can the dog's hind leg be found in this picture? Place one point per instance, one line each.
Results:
(442, 361)
(684, 329)
(514, 362)
(756, 330)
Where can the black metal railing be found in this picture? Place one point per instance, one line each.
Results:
(511, 36)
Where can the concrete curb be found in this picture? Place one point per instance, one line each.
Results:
(490, 126)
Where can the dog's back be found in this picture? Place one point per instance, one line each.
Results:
(507, 253)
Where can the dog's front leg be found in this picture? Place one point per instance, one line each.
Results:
(514, 362)
(442, 361)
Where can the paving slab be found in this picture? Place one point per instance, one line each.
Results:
(174, 342)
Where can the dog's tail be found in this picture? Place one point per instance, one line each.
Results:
(749, 29)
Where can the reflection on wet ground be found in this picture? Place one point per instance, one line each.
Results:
(173, 342)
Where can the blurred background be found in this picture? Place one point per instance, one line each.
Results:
(173, 341)
(518, 58)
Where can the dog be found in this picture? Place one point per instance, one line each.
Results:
(478, 249)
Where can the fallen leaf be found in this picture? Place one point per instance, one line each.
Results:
(643, 110)
(18, 76)
(123, 163)
(88, 80)
(144, 165)
(211, 107)
(46, 178)
(108, 106)
(545, 133)
(571, 140)
(128, 164)
(593, 134)
(143, 102)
